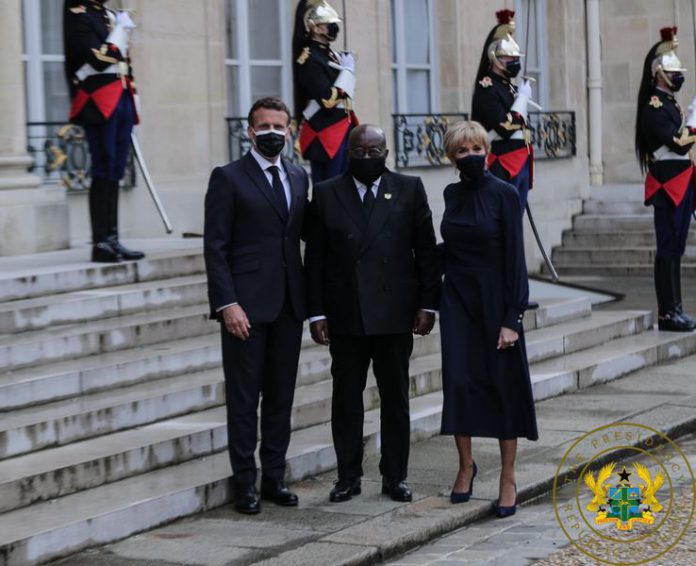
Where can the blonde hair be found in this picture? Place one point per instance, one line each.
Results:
(464, 132)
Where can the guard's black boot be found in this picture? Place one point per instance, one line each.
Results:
(676, 279)
(668, 318)
(126, 254)
(102, 251)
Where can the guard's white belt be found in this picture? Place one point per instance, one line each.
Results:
(87, 70)
(313, 107)
(663, 153)
(495, 136)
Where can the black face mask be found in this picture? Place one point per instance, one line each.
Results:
(471, 167)
(270, 143)
(513, 68)
(677, 80)
(367, 170)
(332, 31)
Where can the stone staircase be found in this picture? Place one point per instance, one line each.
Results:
(614, 235)
(112, 416)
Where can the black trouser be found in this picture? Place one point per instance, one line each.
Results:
(266, 364)
(351, 357)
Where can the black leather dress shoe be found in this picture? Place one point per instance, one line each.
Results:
(345, 489)
(397, 490)
(674, 322)
(103, 252)
(277, 492)
(246, 499)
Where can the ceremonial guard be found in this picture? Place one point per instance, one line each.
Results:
(501, 107)
(104, 103)
(324, 87)
(664, 136)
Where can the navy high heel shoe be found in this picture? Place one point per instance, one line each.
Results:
(503, 512)
(464, 496)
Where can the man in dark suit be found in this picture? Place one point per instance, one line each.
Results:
(372, 280)
(254, 211)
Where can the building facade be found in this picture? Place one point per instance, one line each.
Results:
(199, 64)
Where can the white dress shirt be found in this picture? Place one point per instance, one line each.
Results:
(265, 164)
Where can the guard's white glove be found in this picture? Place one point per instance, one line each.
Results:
(524, 93)
(124, 19)
(525, 89)
(347, 61)
(691, 116)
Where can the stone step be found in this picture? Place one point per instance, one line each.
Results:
(63, 422)
(618, 223)
(59, 471)
(81, 376)
(613, 255)
(101, 336)
(609, 361)
(38, 533)
(35, 279)
(312, 404)
(615, 269)
(576, 239)
(616, 208)
(102, 303)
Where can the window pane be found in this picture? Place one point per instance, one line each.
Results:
(417, 31)
(56, 97)
(233, 92)
(418, 85)
(231, 27)
(264, 29)
(52, 27)
(395, 92)
(265, 81)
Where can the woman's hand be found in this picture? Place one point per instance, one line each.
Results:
(507, 338)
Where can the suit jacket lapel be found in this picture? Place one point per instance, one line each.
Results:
(347, 194)
(387, 195)
(259, 178)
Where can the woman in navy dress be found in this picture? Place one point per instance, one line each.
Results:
(486, 384)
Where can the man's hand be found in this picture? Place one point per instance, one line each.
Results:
(320, 332)
(236, 322)
(507, 338)
(423, 323)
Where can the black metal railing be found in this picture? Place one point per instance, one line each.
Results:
(553, 134)
(239, 142)
(419, 138)
(60, 155)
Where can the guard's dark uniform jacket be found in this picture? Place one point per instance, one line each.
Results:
(98, 73)
(491, 107)
(323, 132)
(661, 122)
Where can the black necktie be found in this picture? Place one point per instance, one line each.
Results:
(278, 189)
(368, 200)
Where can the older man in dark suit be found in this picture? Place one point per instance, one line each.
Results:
(254, 212)
(372, 280)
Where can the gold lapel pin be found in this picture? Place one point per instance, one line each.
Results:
(387, 196)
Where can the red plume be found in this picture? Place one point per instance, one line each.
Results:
(505, 16)
(668, 33)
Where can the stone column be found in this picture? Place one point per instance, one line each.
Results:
(32, 218)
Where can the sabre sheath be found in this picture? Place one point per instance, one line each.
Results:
(148, 182)
(547, 260)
